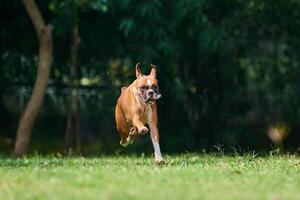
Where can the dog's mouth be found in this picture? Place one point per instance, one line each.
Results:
(149, 101)
(152, 99)
(149, 96)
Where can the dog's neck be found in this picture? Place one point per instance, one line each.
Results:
(137, 97)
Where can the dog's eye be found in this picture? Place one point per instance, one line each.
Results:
(144, 87)
(155, 88)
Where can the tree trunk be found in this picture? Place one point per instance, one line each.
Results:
(72, 134)
(44, 64)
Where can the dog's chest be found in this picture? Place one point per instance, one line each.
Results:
(146, 114)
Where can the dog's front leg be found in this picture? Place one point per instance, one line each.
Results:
(155, 141)
(141, 128)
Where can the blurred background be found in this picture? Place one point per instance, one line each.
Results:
(228, 70)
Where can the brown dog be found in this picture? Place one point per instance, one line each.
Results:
(136, 106)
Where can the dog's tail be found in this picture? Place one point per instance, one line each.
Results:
(123, 88)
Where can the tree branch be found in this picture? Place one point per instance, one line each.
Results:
(35, 15)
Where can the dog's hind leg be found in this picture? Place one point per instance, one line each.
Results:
(122, 126)
(126, 131)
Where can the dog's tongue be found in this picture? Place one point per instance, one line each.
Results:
(157, 96)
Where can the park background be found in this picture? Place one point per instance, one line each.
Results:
(228, 72)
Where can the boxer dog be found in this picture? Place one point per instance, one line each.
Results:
(136, 107)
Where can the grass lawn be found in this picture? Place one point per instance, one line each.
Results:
(188, 176)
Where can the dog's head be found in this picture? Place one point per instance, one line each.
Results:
(147, 85)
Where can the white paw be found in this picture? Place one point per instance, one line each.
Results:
(159, 161)
(130, 139)
(125, 144)
(143, 130)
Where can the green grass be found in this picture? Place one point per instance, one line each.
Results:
(189, 176)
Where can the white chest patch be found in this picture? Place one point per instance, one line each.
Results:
(149, 114)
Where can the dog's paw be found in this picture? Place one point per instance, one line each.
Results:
(132, 131)
(159, 162)
(130, 139)
(143, 130)
(124, 144)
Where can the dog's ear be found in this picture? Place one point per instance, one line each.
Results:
(153, 70)
(138, 72)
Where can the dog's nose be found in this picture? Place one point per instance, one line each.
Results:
(150, 93)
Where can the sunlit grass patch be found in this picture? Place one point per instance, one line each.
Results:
(186, 176)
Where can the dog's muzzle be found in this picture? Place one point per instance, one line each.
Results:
(151, 96)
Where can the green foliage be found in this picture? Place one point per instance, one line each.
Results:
(227, 69)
